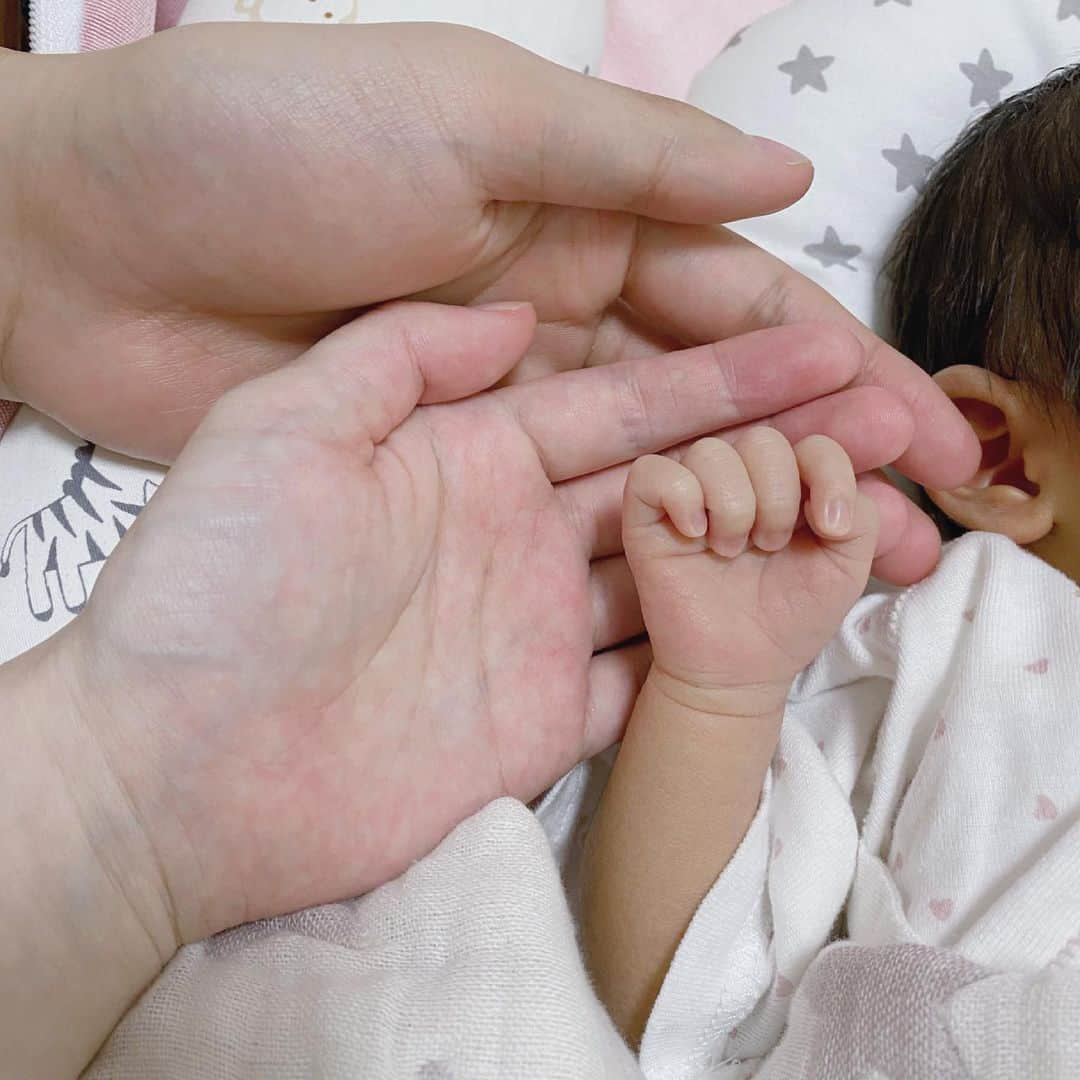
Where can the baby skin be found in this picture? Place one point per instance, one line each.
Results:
(747, 556)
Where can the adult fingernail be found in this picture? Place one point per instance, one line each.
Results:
(779, 152)
(838, 517)
(503, 305)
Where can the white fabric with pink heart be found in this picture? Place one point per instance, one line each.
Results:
(926, 787)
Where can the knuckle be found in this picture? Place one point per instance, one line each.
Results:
(778, 500)
(655, 175)
(634, 411)
(684, 485)
(735, 515)
(641, 470)
(817, 444)
(828, 339)
(761, 439)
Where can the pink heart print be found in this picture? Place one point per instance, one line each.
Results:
(779, 765)
(969, 615)
(941, 909)
(1040, 667)
(778, 846)
(939, 731)
(1045, 809)
(898, 862)
(784, 987)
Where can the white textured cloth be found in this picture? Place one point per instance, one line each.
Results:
(63, 507)
(55, 27)
(465, 968)
(909, 1012)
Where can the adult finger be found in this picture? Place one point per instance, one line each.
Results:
(553, 135)
(581, 421)
(909, 544)
(616, 610)
(869, 423)
(615, 678)
(701, 284)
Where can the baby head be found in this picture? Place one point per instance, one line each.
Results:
(985, 280)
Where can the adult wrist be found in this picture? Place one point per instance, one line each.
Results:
(87, 916)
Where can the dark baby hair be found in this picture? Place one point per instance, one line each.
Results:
(986, 269)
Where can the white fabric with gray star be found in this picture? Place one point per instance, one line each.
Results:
(874, 91)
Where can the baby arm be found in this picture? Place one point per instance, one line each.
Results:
(740, 591)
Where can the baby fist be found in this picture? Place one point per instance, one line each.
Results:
(747, 555)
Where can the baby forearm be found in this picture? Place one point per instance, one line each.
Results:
(684, 789)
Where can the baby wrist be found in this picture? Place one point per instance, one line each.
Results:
(753, 702)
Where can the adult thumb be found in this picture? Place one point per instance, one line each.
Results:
(363, 380)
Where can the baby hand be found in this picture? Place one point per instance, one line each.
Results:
(747, 556)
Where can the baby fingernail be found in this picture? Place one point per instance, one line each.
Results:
(727, 547)
(699, 523)
(838, 516)
(771, 541)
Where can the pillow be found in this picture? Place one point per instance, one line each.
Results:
(874, 91)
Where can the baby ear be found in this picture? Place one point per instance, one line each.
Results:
(1005, 495)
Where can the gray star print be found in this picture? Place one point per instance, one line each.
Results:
(987, 81)
(736, 38)
(832, 251)
(1067, 8)
(806, 70)
(911, 167)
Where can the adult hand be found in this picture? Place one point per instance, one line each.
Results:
(203, 206)
(207, 204)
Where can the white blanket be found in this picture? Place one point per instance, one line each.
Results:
(465, 968)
